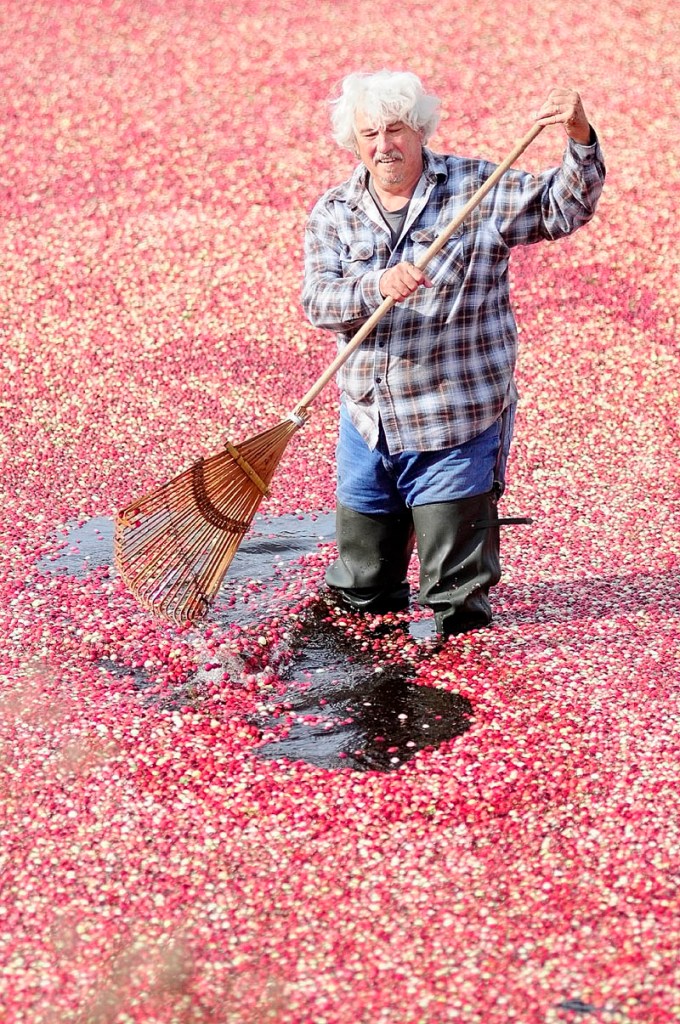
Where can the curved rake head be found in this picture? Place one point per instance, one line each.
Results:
(174, 546)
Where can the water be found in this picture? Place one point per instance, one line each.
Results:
(270, 542)
(345, 707)
(84, 547)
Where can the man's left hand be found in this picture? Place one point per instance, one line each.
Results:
(563, 106)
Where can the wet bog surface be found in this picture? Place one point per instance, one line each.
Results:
(347, 708)
(270, 543)
(339, 702)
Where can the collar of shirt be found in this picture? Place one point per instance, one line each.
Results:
(358, 197)
(434, 169)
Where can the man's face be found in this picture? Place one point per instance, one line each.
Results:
(393, 154)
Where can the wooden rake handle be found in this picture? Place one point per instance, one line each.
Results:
(439, 242)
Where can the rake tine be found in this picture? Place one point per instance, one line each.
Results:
(174, 546)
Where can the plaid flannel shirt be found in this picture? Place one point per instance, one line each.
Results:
(439, 368)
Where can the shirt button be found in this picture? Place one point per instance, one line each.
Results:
(378, 380)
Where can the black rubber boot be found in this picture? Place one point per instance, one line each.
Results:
(459, 551)
(374, 552)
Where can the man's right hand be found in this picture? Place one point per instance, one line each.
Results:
(401, 281)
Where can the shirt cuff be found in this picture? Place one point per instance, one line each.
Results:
(585, 151)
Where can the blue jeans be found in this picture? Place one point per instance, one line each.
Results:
(375, 482)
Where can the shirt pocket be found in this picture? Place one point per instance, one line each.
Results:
(358, 257)
(449, 259)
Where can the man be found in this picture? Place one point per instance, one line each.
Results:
(428, 399)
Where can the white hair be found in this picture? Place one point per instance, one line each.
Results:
(383, 97)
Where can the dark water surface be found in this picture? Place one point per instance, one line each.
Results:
(270, 542)
(343, 706)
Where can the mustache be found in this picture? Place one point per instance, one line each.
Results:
(391, 157)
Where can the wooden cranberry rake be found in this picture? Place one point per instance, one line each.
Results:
(174, 546)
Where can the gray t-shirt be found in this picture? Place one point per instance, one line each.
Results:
(394, 219)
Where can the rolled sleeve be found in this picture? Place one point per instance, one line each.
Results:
(370, 287)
